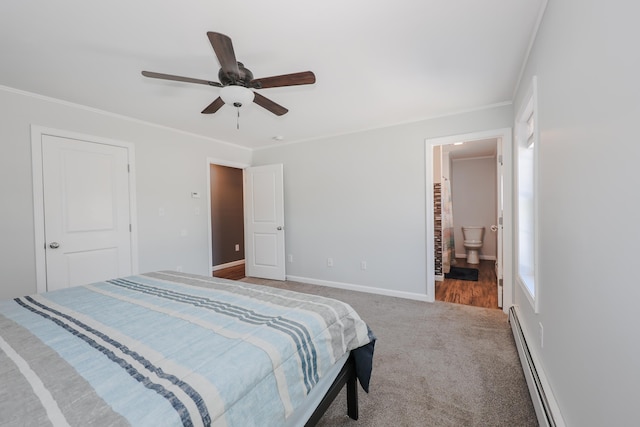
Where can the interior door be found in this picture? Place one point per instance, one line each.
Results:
(264, 217)
(86, 211)
(500, 211)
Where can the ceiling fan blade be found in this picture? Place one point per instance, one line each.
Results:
(268, 104)
(214, 106)
(303, 78)
(179, 78)
(224, 51)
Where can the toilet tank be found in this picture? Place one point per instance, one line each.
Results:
(473, 233)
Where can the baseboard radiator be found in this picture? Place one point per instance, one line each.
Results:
(547, 409)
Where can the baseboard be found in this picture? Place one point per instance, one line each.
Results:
(360, 288)
(227, 265)
(544, 403)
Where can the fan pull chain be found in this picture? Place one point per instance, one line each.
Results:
(238, 117)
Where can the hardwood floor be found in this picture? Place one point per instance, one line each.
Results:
(231, 273)
(482, 293)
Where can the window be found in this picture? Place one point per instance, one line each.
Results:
(527, 157)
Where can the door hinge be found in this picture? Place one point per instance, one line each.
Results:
(500, 159)
(500, 283)
(130, 228)
(500, 221)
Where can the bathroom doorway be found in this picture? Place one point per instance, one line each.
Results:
(459, 158)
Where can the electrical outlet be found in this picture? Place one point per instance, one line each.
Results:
(237, 247)
(329, 262)
(290, 258)
(363, 265)
(541, 335)
(179, 268)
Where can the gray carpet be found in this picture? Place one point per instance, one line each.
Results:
(437, 364)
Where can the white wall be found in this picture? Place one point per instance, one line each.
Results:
(474, 200)
(169, 166)
(588, 67)
(361, 197)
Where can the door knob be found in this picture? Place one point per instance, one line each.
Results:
(54, 245)
(279, 227)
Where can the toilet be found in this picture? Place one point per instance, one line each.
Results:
(473, 236)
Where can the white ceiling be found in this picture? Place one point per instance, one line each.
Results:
(472, 149)
(377, 63)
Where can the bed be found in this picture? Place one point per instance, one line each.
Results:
(175, 349)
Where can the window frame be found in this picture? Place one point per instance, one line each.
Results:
(527, 137)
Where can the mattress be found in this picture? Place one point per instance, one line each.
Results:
(171, 349)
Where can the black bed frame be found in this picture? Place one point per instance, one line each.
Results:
(346, 376)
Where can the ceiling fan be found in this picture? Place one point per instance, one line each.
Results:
(237, 81)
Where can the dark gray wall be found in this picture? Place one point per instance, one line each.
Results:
(227, 214)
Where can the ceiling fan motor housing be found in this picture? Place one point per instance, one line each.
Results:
(243, 79)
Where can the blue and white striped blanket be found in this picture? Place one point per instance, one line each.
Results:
(167, 349)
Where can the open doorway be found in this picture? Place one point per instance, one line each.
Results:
(262, 217)
(493, 265)
(465, 218)
(226, 220)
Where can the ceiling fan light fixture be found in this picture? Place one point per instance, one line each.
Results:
(236, 96)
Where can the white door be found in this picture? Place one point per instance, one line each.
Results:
(86, 211)
(500, 211)
(264, 222)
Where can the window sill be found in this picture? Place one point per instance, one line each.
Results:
(527, 283)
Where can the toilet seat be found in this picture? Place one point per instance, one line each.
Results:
(472, 244)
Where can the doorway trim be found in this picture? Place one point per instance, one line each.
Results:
(219, 162)
(505, 134)
(37, 132)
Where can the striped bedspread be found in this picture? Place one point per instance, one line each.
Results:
(167, 349)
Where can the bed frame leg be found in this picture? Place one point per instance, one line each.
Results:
(352, 397)
(346, 377)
